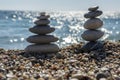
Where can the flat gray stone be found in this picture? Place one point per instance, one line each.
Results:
(93, 23)
(42, 22)
(92, 35)
(45, 48)
(42, 13)
(93, 45)
(93, 14)
(101, 76)
(94, 8)
(41, 29)
(41, 39)
(43, 17)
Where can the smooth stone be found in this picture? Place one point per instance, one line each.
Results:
(77, 76)
(81, 77)
(93, 14)
(92, 35)
(74, 79)
(103, 79)
(41, 29)
(42, 13)
(100, 76)
(42, 22)
(94, 23)
(94, 8)
(47, 48)
(41, 39)
(43, 17)
(91, 46)
(117, 78)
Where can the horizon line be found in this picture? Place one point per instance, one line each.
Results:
(52, 10)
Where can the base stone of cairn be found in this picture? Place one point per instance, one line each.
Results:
(92, 34)
(42, 42)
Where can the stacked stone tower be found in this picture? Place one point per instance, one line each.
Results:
(42, 42)
(92, 34)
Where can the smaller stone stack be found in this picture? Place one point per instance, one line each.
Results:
(92, 34)
(42, 41)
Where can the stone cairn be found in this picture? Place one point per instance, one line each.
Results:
(92, 34)
(42, 42)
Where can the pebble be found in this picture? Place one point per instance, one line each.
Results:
(94, 23)
(117, 78)
(43, 39)
(43, 17)
(103, 79)
(10, 75)
(90, 46)
(94, 8)
(41, 29)
(42, 22)
(45, 48)
(74, 79)
(92, 35)
(42, 13)
(93, 14)
(101, 76)
(77, 76)
(81, 77)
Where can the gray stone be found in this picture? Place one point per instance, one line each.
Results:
(81, 77)
(92, 35)
(94, 23)
(42, 13)
(94, 8)
(100, 76)
(43, 17)
(41, 29)
(42, 22)
(41, 39)
(93, 14)
(117, 78)
(45, 48)
(91, 46)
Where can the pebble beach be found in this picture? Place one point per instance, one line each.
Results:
(70, 63)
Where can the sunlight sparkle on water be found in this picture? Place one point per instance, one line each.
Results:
(22, 39)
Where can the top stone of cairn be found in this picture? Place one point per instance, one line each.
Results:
(43, 13)
(94, 8)
(43, 16)
(93, 12)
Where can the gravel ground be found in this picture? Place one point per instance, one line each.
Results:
(68, 64)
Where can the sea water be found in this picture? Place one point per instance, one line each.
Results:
(14, 27)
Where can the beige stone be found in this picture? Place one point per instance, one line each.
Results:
(42, 22)
(92, 35)
(45, 48)
(41, 29)
(41, 39)
(94, 23)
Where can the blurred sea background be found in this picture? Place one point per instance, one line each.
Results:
(14, 27)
